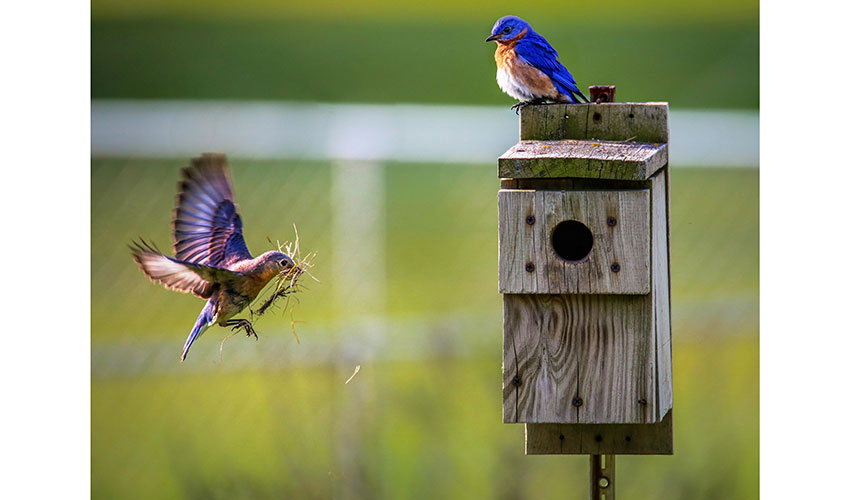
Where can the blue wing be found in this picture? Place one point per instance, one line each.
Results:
(207, 227)
(537, 51)
(183, 276)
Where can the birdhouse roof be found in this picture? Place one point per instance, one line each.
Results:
(634, 161)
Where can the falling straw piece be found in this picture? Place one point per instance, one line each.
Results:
(356, 369)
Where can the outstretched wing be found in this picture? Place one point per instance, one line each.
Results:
(537, 51)
(207, 226)
(180, 275)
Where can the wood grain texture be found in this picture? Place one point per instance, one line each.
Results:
(626, 244)
(590, 159)
(596, 348)
(576, 184)
(599, 439)
(624, 121)
(661, 291)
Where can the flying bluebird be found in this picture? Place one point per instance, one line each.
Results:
(528, 67)
(210, 259)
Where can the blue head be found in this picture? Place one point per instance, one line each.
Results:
(508, 29)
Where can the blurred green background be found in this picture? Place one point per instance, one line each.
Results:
(691, 54)
(422, 418)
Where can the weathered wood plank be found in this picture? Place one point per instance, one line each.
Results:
(577, 358)
(583, 159)
(565, 184)
(599, 439)
(547, 122)
(661, 292)
(528, 262)
(616, 378)
(540, 360)
(622, 121)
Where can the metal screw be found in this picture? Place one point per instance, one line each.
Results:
(577, 402)
(615, 267)
(612, 221)
(517, 381)
(603, 482)
(530, 220)
(642, 401)
(530, 267)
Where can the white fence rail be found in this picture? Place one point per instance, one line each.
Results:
(394, 132)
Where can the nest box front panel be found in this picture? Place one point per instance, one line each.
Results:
(579, 359)
(570, 242)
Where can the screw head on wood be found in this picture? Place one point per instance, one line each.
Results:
(612, 221)
(530, 267)
(615, 267)
(577, 402)
(530, 220)
(603, 482)
(641, 401)
(517, 381)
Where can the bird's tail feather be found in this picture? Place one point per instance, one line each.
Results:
(204, 321)
(583, 98)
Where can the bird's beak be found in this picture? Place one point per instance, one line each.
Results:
(493, 37)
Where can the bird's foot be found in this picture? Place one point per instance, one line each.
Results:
(518, 106)
(243, 324)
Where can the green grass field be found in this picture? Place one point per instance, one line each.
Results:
(695, 64)
(423, 427)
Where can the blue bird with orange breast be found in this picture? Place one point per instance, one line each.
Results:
(528, 67)
(211, 259)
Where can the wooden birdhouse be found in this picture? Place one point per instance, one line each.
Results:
(584, 272)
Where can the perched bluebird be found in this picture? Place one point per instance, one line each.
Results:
(210, 259)
(528, 67)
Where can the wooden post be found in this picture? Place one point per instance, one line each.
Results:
(584, 273)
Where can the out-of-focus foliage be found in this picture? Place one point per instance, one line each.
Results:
(695, 62)
(421, 422)
(436, 10)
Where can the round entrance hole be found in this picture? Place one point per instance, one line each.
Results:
(572, 240)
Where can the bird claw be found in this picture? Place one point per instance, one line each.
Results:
(518, 106)
(245, 325)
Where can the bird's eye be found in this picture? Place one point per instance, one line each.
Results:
(507, 29)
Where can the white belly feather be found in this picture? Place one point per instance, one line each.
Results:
(511, 86)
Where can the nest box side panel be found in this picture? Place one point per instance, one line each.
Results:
(618, 258)
(661, 290)
(579, 359)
